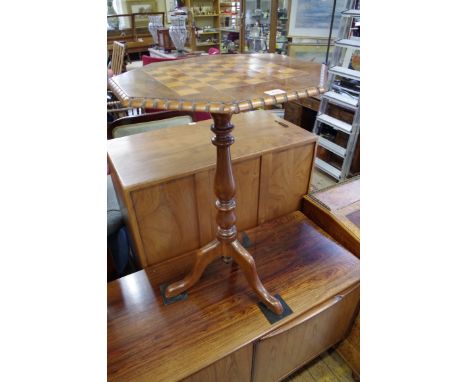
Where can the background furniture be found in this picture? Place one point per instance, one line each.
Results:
(156, 53)
(340, 70)
(121, 258)
(264, 26)
(138, 128)
(219, 333)
(164, 40)
(337, 211)
(135, 124)
(230, 25)
(117, 65)
(137, 37)
(303, 113)
(202, 15)
(166, 186)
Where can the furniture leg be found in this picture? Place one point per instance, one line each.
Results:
(225, 190)
(247, 264)
(204, 256)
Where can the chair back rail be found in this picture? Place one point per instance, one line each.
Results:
(118, 54)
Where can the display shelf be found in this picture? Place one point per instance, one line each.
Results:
(229, 30)
(281, 43)
(199, 22)
(207, 43)
(230, 22)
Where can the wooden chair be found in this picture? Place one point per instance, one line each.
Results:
(117, 61)
(135, 124)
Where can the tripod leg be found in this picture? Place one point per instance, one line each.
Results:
(247, 264)
(204, 256)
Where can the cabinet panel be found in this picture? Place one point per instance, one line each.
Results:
(236, 367)
(291, 346)
(285, 176)
(167, 218)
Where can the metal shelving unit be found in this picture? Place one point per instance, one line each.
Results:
(340, 74)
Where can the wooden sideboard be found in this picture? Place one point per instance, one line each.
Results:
(219, 333)
(337, 211)
(164, 181)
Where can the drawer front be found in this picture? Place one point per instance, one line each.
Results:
(296, 343)
(236, 367)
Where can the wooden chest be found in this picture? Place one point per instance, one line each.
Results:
(164, 181)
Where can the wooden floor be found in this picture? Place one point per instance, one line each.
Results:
(329, 367)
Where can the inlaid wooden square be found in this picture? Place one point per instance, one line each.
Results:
(185, 91)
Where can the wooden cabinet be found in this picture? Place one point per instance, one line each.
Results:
(337, 211)
(293, 345)
(219, 333)
(264, 26)
(236, 367)
(204, 22)
(230, 25)
(164, 181)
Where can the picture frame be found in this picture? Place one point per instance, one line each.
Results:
(141, 6)
(170, 5)
(309, 52)
(312, 18)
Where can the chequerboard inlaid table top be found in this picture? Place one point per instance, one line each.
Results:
(220, 83)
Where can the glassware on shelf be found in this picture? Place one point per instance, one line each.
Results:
(178, 31)
(257, 25)
(112, 22)
(155, 22)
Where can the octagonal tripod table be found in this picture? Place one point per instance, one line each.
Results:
(221, 85)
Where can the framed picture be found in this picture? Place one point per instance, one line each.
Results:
(141, 6)
(312, 18)
(170, 5)
(315, 53)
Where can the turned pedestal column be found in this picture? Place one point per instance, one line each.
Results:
(226, 243)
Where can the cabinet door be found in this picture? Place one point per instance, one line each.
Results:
(257, 16)
(236, 367)
(296, 343)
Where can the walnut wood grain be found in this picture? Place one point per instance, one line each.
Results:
(143, 160)
(336, 209)
(150, 341)
(161, 174)
(218, 84)
(332, 207)
(236, 367)
(286, 176)
(285, 350)
(331, 224)
(225, 244)
(224, 184)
